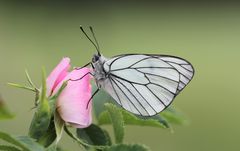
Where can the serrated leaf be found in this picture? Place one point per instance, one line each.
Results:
(8, 148)
(126, 147)
(42, 116)
(23, 142)
(117, 121)
(131, 119)
(4, 112)
(94, 135)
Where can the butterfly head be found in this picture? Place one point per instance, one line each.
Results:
(95, 58)
(97, 66)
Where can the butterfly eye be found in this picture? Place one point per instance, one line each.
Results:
(95, 58)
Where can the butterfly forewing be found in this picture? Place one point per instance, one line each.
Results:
(184, 68)
(146, 84)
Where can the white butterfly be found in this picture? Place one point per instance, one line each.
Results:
(143, 84)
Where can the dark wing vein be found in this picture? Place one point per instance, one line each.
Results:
(133, 95)
(139, 61)
(115, 92)
(140, 83)
(156, 96)
(143, 98)
(129, 100)
(157, 75)
(140, 68)
(186, 68)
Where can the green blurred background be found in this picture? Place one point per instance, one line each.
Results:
(207, 34)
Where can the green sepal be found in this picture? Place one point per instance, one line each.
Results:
(53, 99)
(49, 136)
(59, 125)
(30, 80)
(42, 117)
(22, 87)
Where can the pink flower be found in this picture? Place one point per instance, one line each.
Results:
(73, 100)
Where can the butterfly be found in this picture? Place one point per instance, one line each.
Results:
(143, 84)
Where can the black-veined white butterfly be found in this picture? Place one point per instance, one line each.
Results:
(143, 84)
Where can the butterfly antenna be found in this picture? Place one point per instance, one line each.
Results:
(89, 38)
(98, 50)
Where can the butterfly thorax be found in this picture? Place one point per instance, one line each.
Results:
(98, 71)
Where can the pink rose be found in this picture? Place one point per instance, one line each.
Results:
(73, 100)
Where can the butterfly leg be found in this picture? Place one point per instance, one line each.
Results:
(78, 68)
(94, 93)
(81, 77)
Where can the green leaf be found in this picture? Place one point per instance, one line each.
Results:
(42, 116)
(161, 120)
(29, 143)
(49, 136)
(4, 112)
(126, 147)
(94, 135)
(131, 119)
(82, 142)
(59, 125)
(23, 142)
(174, 116)
(8, 138)
(116, 117)
(8, 148)
(54, 148)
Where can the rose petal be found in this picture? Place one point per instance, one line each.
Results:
(72, 102)
(57, 75)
